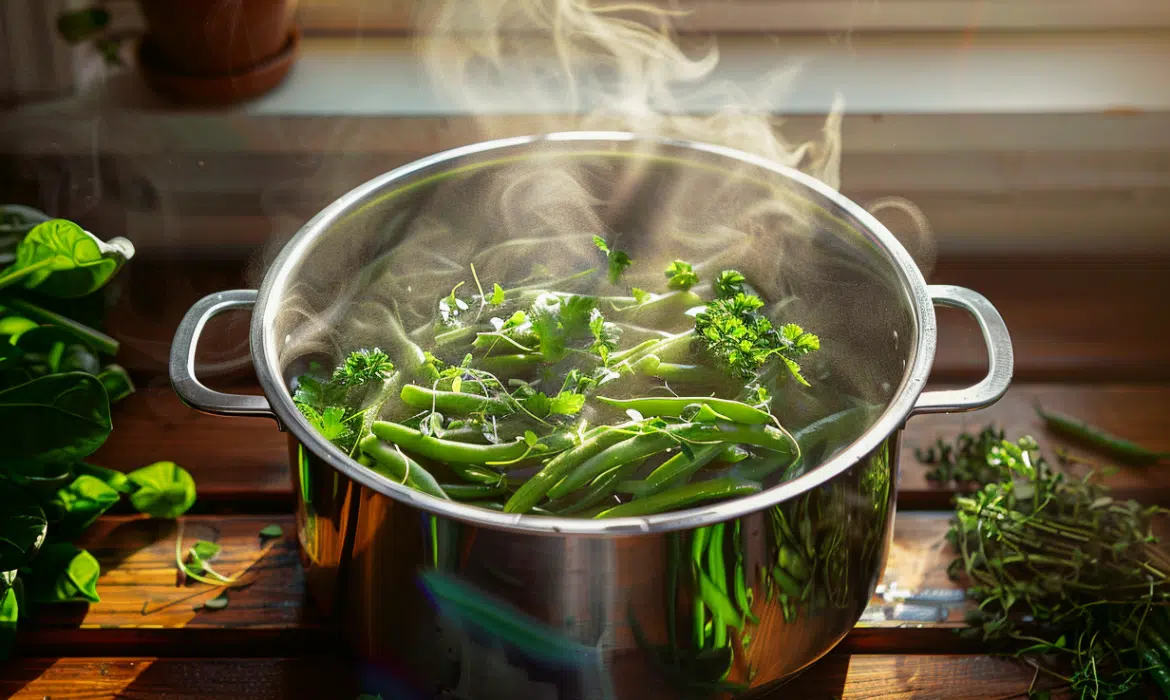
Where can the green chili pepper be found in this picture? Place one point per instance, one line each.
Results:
(683, 496)
(449, 450)
(675, 406)
(454, 402)
(402, 469)
(1120, 449)
(628, 450)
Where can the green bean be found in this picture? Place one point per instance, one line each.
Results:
(759, 468)
(715, 557)
(628, 450)
(454, 402)
(1119, 448)
(769, 437)
(533, 490)
(653, 366)
(637, 351)
(496, 505)
(476, 474)
(472, 492)
(673, 557)
(450, 450)
(699, 624)
(511, 364)
(741, 596)
(682, 496)
(1156, 668)
(675, 406)
(677, 469)
(786, 582)
(468, 433)
(792, 561)
(402, 469)
(603, 487)
(718, 601)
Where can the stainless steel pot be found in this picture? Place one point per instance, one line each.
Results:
(442, 597)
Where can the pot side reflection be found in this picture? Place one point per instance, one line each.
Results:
(441, 608)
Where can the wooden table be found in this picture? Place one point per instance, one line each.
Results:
(1091, 339)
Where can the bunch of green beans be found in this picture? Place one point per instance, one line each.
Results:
(449, 430)
(578, 473)
(724, 600)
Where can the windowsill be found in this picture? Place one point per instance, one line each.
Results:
(1008, 141)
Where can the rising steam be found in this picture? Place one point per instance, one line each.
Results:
(618, 68)
(610, 67)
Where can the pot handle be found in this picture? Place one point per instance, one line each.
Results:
(999, 355)
(182, 365)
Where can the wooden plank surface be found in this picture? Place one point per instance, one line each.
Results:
(143, 608)
(144, 611)
(839, 675)
(240, 461)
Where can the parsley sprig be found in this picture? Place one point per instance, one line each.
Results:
(619, 260)
(743, 339)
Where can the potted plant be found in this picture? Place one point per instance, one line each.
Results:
(203, 52)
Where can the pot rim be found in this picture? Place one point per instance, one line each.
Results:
(899, 408)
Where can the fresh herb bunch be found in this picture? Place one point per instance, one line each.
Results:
(744, 339)
(495, 410)
(964, 461)
(56, 387)
(1064, 570)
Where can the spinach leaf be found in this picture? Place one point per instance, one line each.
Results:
(117, 382)
(8, 615)
(112, 477)
(165, 490)
(15, 222)
(58, 418)
(62, 573)
(40, 480)
(86, 498)
(61, 259)
(22, 529)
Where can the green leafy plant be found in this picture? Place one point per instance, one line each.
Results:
(681, 275)
(618, 260)
(1071, 576)
(56, 387)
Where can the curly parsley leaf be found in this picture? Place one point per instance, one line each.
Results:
(743, 339)
(729, 283)
(680, 275)
(363, 366)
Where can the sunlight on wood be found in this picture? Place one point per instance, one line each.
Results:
(104, 679)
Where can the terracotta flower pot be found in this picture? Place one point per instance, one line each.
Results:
(217, 37)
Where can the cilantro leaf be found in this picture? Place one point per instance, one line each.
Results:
(680, 275)
(538, 405)
(619, 260)
(567, 403)
(641, 296)
(605, 335)
(497, 296)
